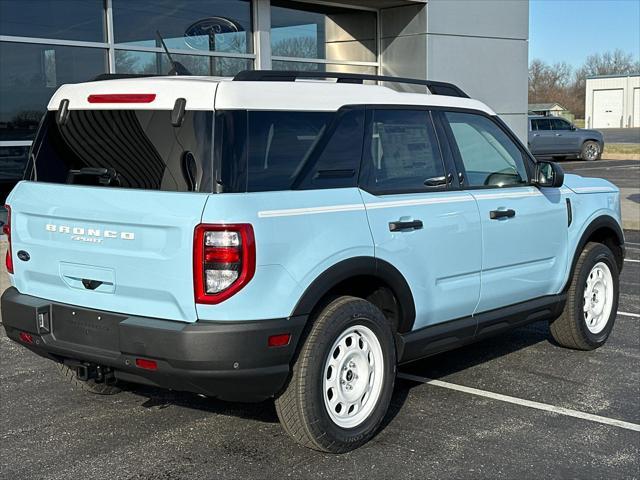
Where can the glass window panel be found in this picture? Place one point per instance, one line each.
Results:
(489, 156)
(82, 20)
(321, 31)
(13, 161)
(128, 61)
(322, 67)
(404, 151)
(141, 147)
(29, 76)
(557, 124)
(220, 25)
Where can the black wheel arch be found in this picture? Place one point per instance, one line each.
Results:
(603, 229)
(356, 267)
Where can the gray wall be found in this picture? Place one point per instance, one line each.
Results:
(480, 45)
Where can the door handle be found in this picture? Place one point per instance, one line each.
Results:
(558, 134)
(496, 214)
(536, 134)
(411, 225)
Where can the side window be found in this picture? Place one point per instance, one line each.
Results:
(542, 124)
(403, 151)
(558, 124)
(303, 150)
(279, 144)
(336, 160)
(489, 156)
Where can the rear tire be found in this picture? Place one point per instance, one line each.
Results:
(87, 386)
(342, 379)
(590, 151)
(592, 301)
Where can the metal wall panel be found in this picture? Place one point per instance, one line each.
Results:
(481, 18)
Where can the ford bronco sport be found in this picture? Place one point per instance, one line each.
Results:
(281, 235)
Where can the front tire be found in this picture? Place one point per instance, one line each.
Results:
(592, 301)
(342, 379)
(590, 151)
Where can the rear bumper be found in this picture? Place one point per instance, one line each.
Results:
(228, 360)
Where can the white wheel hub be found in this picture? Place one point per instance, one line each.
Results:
(353, 376)
(598, 297)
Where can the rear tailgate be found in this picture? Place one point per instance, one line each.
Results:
(113, 249)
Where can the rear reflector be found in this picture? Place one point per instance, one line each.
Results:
(26, 337)
(122, 98)
(6, 229)
(146, 364)
(279, 340)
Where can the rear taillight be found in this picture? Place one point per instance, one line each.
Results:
(224, 261)
(6, 229)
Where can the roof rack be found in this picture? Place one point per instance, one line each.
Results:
(436, 88)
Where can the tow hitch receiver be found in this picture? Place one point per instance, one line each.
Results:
(86, 371)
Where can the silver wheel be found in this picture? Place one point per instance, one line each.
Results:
(591, 151)
(598, 297)
(353, 376)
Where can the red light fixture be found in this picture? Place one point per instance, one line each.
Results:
(224, 261)
(6, 229)
(122, 98)
(26, 337)
(280, 340)
(146, 364)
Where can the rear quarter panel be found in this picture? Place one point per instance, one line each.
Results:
(299, 235)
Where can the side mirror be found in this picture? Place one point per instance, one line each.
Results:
(573, 127)
(549, 174)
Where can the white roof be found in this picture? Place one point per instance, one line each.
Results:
(201, 93)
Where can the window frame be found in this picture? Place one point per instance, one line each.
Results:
(364, 180)
(528, 160)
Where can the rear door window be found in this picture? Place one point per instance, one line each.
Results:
(403, 152)
(541, 124)
(126, 148)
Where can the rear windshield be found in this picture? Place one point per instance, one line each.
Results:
(126, 148)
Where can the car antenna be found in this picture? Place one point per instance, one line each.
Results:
(176, 67)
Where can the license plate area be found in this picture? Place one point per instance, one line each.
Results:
(90, 328)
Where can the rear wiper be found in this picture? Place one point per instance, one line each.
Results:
(91, 175)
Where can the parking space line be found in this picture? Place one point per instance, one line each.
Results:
(631, 260)
(525, 403)
(625, 314)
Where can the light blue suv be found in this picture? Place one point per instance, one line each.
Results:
(280, 236)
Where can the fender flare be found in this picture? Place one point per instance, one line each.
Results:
(354, 267)
(602, 221)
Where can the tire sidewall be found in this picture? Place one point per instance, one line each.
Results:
(598, 254)
(379, 326)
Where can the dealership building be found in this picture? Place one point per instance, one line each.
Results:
(481, 45)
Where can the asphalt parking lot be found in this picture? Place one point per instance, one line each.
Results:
(516, 406)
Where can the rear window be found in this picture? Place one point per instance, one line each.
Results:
(284, 150)
(126, 148)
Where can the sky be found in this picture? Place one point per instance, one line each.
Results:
(570, 30)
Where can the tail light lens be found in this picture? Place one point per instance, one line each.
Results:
(6, 229)
(224, 261)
